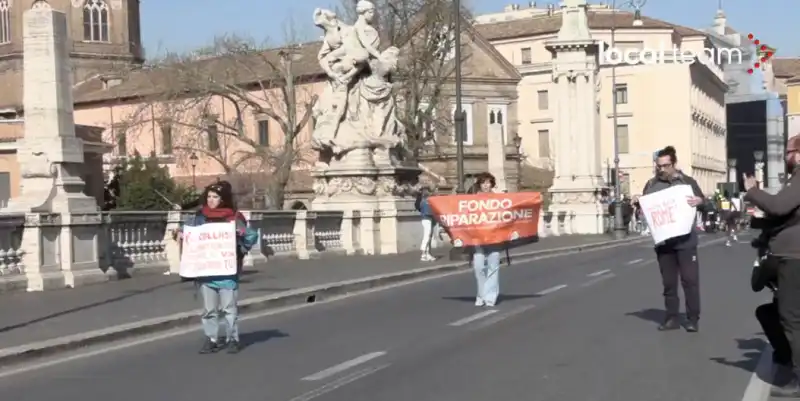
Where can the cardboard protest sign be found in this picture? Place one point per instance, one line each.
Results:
(209, 250)
(668, 213)
(488, 218)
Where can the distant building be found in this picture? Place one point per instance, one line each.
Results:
(667, 104)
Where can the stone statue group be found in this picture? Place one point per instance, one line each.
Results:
(355, 115)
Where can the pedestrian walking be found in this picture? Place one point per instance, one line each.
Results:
(677, 257)
(486, 258)
(783, 210)
(428, 222)
(220, 293)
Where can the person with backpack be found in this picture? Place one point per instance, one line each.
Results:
(677, 257)
(428, 224)
(220, 293)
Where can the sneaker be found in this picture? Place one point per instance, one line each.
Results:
(234, 347)
(727, 243)
(489, 304)
(479, 302)
(669, 324)
(209, 347)
(691, 326)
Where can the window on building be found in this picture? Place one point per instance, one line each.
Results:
(544, 100)
(95, 21)
(166, 137)
(621, 94)
(213, 137)
(5, 22)
(121, 137)
(5, 188)
(544, 143)
(468, 129)
(526, 55)
(623, 138)
(263, 132)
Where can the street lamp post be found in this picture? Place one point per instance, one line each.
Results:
(620, 231)
(759, 166)
(731, 180)
(458, 117)
(518, 144)
(193, 159)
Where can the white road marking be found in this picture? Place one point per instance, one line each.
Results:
(503, 316)
(342, 381)
(598, 279)
(470, 319)
(633, 262)
(600, 273)
(324, 374)
(551, 290)
(758, 389)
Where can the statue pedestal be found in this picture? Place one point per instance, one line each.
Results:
(385, 193)
(577, 202)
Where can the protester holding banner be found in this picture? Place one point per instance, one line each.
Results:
(486, 258)
(219, 292)
(676, 255)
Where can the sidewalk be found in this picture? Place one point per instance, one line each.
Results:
(32, 317)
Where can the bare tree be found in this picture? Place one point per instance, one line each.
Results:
(424, 30)
(205, 96)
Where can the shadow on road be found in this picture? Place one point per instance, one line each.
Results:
(752, 352)
(256, 337)
(649, 315)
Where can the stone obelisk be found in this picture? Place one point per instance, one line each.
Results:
(50, 155)
(578, 178)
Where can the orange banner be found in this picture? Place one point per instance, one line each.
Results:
(488, 218)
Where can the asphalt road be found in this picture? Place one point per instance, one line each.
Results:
(577, 327)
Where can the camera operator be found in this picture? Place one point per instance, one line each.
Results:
(765, 275)
(783, 236)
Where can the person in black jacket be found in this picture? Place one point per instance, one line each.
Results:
(677, 257)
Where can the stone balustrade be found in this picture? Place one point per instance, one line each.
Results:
(43, 250)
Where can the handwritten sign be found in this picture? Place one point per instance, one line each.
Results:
(668, 213)
(488, 218)
(209, 250)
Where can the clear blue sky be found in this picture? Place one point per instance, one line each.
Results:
(179, 25)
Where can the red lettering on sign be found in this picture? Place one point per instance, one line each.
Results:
(663, 215)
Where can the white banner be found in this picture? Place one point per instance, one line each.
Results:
(209, 250)
(668, 212)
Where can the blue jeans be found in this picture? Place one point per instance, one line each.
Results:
(486, 262)
(220, 303)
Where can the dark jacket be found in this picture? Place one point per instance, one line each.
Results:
(656, 184)
(785, 205)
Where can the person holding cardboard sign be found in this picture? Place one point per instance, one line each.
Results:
(677, 256)
(219, 292)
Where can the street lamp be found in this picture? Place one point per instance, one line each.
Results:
(619, 226)
(731, 166)
(459, 116)
(758, 155)
(193, 159)
(518, 144)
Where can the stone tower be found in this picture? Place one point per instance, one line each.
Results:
(104, 36)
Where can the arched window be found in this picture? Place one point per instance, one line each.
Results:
(5, 22)
(95, 21)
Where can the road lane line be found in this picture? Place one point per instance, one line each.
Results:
(758, 389)
(600, 273)
(342, 381)
(633, 262)
(470, 319)
(551, 290)
(503, 316)
(598, 279)
(324, 374)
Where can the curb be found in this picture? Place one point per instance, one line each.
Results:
(306, 295)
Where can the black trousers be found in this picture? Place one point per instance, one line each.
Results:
(789, 305)
(770, 321)
(680, 264)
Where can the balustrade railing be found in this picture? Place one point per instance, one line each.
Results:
(128, 242)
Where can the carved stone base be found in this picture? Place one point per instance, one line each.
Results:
(370, 188)
(581, 210)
